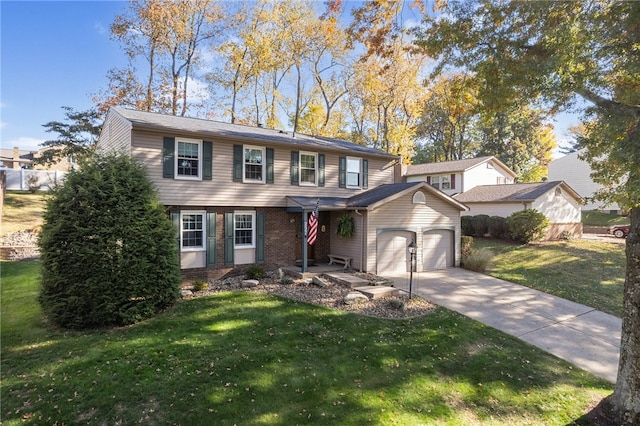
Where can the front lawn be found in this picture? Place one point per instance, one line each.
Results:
(587, 272)
(254, 359)
(22, 210)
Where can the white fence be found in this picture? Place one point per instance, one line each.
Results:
(24, 179)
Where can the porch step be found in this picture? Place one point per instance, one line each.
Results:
(378, 291)
(348, 280)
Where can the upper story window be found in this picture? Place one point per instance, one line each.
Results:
(353, 172)
(443, 182)
(435, 181)
(254, 164)
(192, 228)
(188, 159)
(308, 168)
(244, 226)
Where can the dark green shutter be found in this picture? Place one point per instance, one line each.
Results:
(260, 228)
(365, 174)
(320, 169)
(295, 168)
(207, 160)
(175, 219)
(168, 158)
(211, 238)
(342, 172)
(237, 163)
(270, 172)
(228, 239)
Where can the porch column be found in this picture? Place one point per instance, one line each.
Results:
(305, 219)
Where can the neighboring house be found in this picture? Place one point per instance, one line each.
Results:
(242, 195)
(577, 173)
(556, 200)
(16, 158)
(454, 177)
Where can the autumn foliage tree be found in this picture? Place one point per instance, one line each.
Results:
(555, 52)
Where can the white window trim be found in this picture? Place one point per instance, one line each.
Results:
(435, 181)
(359, 173)
(253, 229)
(445, 179)
(204, 230)
(315, 155)
(264, 164)
(200, 160)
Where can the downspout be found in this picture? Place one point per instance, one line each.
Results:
(361, 240)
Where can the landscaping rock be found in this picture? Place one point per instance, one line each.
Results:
(185, 292)
(355, 297)
(250, 283)
(320, 282)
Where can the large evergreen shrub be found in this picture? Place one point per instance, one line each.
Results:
(527, 225)
(109, 254)
(497, 226)
(480, 225)
(467, 227)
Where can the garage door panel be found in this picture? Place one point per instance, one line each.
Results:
(392, 252)
(437, 249)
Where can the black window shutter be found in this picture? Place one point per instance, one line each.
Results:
(260, 231)
(175, 219)
(365, 174)
(320, 169)
(237, 163)
(295, 168)
(453, 181)
(211, 238)
(207, 160)
(228, 239)
(270, 172)
(168, 158)
(342, 172)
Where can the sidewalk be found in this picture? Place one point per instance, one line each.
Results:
(585, 337)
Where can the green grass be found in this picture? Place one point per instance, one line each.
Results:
(253, 359)
(587, 272)
(22, 210)
(596, 218)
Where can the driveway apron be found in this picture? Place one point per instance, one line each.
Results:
(581, 335)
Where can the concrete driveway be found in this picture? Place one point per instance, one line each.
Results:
(585, 337)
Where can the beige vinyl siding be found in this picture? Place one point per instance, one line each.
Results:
(116, 135)
(558, 209)
(222, 191)
(402, 213)
(350, 247)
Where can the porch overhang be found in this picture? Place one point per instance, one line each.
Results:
(301, 204)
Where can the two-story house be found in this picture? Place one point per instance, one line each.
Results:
(242, 195)
(454, 177)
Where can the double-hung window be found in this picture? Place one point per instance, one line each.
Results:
(188, 159)
(254, 164)
(308, 168)
(353, 172)
(435, 181)
(445, 182)
(192, 230)
(244, 227)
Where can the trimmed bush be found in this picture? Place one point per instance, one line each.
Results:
(497, 227)
(479, 260)
(527, 225)
(465, 224)
(254, 273)
(480, 225)
(466, 245)
(109, 253)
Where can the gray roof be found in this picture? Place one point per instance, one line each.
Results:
(152, 120)
(452, 166)
(368, 198)
(511, 193)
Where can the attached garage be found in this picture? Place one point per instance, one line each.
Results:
(392, 251)
(437, 249)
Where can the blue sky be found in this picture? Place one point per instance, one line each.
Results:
(57, 53)
(53, 54)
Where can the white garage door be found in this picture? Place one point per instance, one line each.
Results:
(392, 253)
(437, 249)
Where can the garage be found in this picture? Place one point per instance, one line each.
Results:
(437, 249)
(392, 252)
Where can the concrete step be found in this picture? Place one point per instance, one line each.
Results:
(378, 291)
(348, 280)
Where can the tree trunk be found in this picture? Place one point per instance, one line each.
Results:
(625, 400)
